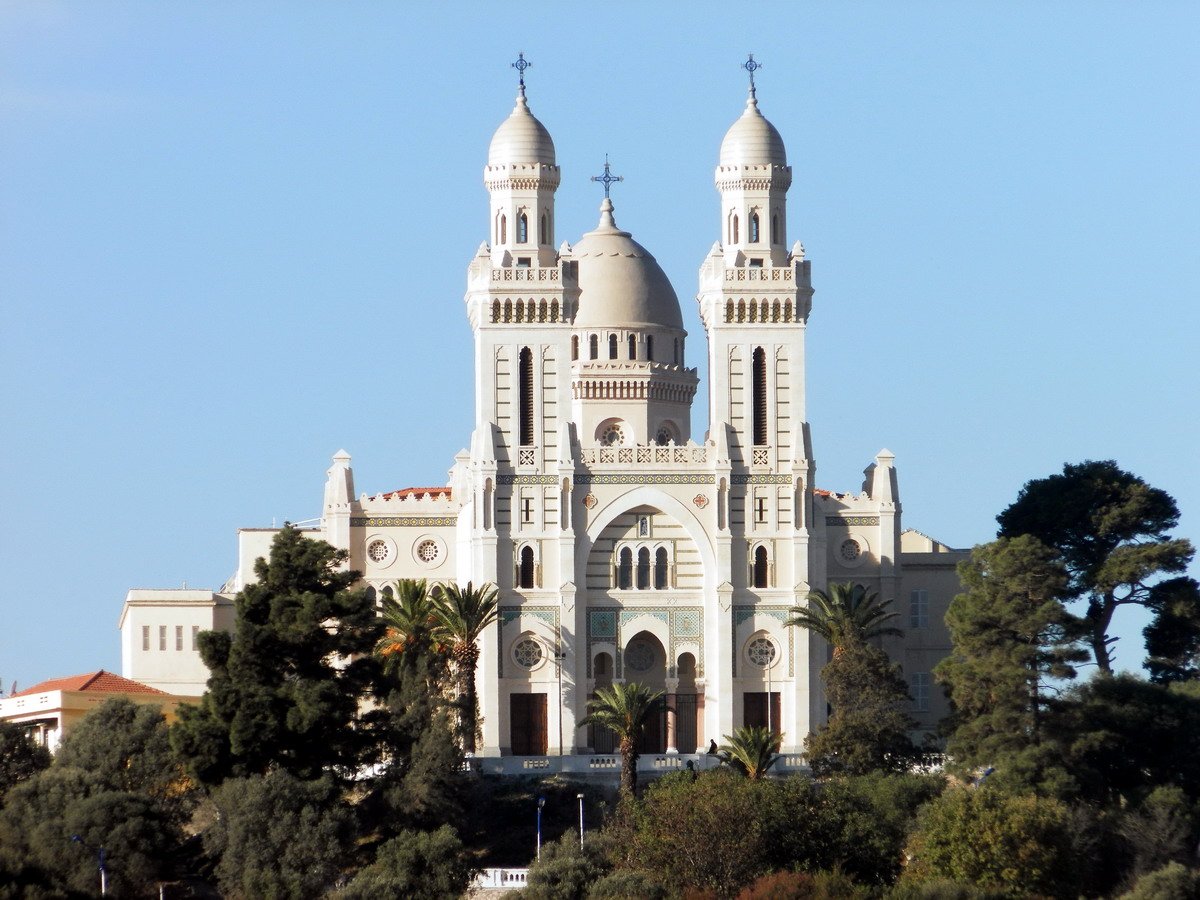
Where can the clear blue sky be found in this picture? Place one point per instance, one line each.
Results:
(233, 239)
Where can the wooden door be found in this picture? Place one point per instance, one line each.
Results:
(754, 710)
(527, 724)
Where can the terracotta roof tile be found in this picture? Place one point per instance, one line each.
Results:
(100, 682)
(416, 492)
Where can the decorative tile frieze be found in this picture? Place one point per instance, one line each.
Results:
(743, 478)
(403, 521)
(510, 478)
(644, 478)
(847, 521)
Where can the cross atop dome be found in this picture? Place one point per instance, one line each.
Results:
(607, 179)
(522, 64)
(751, 66)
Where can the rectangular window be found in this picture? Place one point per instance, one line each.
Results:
(195, 637)
(918, 609)
(524, 261)
(760, 509)
(162, 637)
(526, 509)
(178, 637)
(918, 685)
(145, 637)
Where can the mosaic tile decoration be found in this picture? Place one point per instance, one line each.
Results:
(760, 479)
(411, 521)
(645, 478)
(782, 613)
(509, 478)
(510, 614)
(851, 520)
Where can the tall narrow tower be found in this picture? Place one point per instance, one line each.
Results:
(754, 300)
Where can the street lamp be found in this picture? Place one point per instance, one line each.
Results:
(100, 857)
(540, 805)
(580, 798)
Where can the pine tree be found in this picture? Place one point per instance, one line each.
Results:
(1111, 530)
(285, 686)
(1013, 641)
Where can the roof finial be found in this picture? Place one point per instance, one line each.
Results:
(522, 64)
(607, 179)
(751, 66)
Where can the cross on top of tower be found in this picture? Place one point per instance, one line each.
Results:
(521, 65)
(607, 179)
(751, 66)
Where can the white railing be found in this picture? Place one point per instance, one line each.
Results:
(502, 878)
(647, 455)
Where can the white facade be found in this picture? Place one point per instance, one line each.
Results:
(622, 549)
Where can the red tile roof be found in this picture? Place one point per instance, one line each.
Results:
(100, 682)
(417, 492)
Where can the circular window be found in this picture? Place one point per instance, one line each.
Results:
(611, 435)
(527, 653)
(850, 550)
(378, 551)
(639, 656)
(663, 437)
(761, 652)
(428, 551)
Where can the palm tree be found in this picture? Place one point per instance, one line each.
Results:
(848, 614)
(408, 619)
(624, 709)
(461, 615)
(752, 749)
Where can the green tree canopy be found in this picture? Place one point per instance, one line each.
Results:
(278, 836)
(1173, 635)
(127, 745)
(286, 685)
(868, 729)
(1014, 642)
(1112, 532)
(20, 757)
(416, 865)
(1020, 845)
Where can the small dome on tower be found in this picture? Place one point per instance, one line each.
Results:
(521, 138)
(752, 140)
(620, 284)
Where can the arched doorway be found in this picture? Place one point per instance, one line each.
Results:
(686, 737)
(645, 662)
(600, 739)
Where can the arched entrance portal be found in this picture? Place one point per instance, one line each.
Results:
(645, 662)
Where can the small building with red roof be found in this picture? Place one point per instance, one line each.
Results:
(50, 709)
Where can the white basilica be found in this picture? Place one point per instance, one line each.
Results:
(622, 549)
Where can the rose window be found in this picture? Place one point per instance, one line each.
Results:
(639, 656)
(427, 551)
(527, 653)
(377, 551)
(761, 652)
(850, 550)
(611, 436)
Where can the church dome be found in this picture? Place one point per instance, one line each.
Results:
(752, 140)
(620, 284)
(521, 138)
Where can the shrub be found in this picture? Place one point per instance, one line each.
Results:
(1172, 882)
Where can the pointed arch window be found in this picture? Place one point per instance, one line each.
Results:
(760, 397)
(574, 347)
(594, 347)
(625, 569)
(526, 397)
(522, 229)
(735, 238)
(643, 569)
(650, 347)
(660, 569)
(543, 232)
(775, 228)
(632, 342)
(503, 229)
(761, 570)
(754, 228)
(612, 346)
(526, 572)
